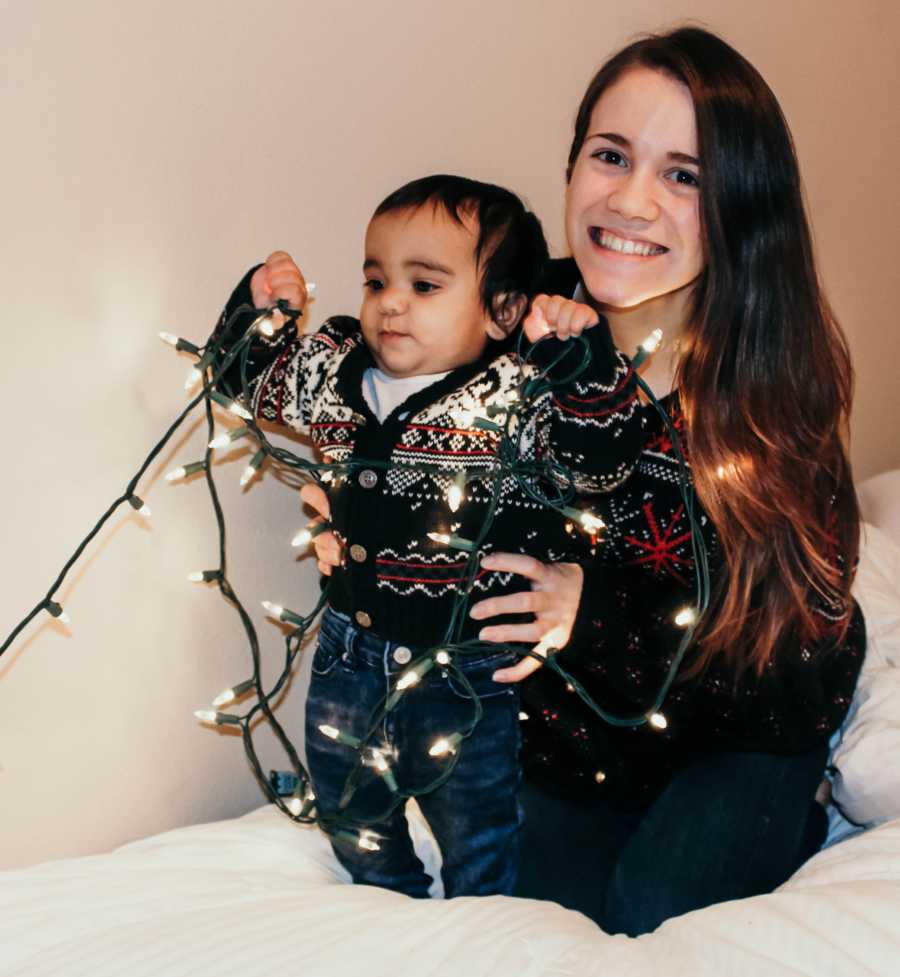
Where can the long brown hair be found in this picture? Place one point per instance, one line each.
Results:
(765, 379)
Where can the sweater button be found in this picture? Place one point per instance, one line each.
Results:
(402, 655)
(363, 619)
(358, 553)
(367, 478)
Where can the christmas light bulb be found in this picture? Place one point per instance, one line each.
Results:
(225, 439)
(253, 467)
(185, 470)
(408, 679)
(167, 337)
(193, 378)
(442, 657)
(367, 842)
(651, 343)
(445, 745)
(303, 538)
(231, 405)
(295, 805)
(218, 718)
(206, 715)
(276, 610)
(310, 289)
(523, 716)
(139, 505)
(203, 576)
(229, 695)
(55, 610)
(266, 326)
(331, 732)
(686, 616)
(439, 538)
(457, 492)
(658, 720)
(457, 542)
(593, 524)
(282, 613)
(326, 476)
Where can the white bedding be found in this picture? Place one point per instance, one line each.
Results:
(261, 896)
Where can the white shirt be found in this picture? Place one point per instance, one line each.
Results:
(383, 393)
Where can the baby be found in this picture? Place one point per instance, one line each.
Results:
(450, 268)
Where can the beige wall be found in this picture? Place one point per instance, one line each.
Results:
(151, 152)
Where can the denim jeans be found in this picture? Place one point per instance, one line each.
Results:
(475, 815)
(727, 826)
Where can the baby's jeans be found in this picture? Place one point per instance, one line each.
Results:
(474, 815)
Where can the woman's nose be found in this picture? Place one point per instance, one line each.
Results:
(634, 197)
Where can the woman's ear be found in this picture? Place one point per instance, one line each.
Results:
(508, 309)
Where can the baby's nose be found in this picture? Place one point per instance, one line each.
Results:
(391, 301)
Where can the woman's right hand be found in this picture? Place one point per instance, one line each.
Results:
(329, 551)
(278, 278)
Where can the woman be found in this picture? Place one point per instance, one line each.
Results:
(684, 213)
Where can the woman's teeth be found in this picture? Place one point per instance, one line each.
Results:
(622, 245)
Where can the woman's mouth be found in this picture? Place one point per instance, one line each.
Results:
(608, 241)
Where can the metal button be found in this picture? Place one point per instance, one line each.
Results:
(368, 478)
(402, 655)
(358, 553)
(363, 619)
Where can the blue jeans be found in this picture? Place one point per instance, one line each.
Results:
(475, 815)
(727, 826)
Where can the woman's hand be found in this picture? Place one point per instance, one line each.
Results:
(278, 278)
(553, 599)
(329, 551)
(561, 316)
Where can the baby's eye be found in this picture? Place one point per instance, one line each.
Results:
(373, 284)
(684, 178)
(423, 288)
(609, 156)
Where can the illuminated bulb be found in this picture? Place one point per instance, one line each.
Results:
(206, 715)
(295, 805)
(310, 289)
(193, 378)
(249, 472)
(139, 505)
(167, 337)
(223, 698)
(570, 687)
(439, 538)
(658, 721)
(240, 410)
(276, 610)
(367, 842)
(651, 343)
(408, 679)
(442, 658)
(523, 716)
(64, 618)
(378, 761)
(56, 611)
(203, 576)
(266, 326)
(327, 476)
(454, 497)
(457, 542)
(599, 776)
(592, 523)
(685, 617)
(176, 474)
(303, 538)
(253, 467)
(225, 439)
(445, 745)
(330, 731)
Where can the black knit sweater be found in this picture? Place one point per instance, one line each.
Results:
(395, 580)
(626, 638)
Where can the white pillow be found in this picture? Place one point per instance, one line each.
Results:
(866, 782)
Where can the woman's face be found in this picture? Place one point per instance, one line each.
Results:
(633, 204)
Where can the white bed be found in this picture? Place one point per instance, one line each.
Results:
(259, 896)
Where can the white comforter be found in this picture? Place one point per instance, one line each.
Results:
(259, 896)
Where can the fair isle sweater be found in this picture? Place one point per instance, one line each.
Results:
(395, 580)
(626, 637)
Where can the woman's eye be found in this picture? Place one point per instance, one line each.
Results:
(373, 284)
(610, 156)
(423, 288)
(684, 178)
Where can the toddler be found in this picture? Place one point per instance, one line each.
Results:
(450, 268)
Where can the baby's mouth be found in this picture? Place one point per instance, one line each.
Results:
(612, 242)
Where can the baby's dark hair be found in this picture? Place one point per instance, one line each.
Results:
(511, 250)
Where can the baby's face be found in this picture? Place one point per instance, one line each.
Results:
(421, 310)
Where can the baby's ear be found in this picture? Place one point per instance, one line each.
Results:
(508, 309)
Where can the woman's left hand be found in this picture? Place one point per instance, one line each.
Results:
(553, 599)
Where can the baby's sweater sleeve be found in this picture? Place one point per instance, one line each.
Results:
(594, 424)
(284, 374)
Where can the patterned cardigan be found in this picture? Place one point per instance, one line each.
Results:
(395, 579)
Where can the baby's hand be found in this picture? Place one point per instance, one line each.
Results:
(561, 316)
(278, 278)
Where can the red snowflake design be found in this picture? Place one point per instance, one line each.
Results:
(661, 442)
(660, 552)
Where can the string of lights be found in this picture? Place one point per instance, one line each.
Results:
(547, 482)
